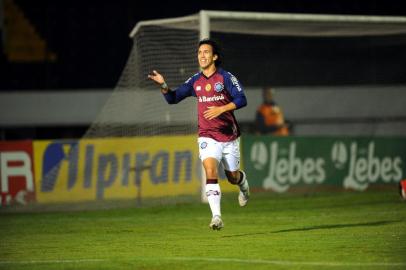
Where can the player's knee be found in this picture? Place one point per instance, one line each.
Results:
(232, 177)
(211, 173)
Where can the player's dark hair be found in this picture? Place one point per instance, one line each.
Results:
(216, 50)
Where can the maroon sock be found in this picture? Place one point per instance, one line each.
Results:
(241, 178)
(211, 181)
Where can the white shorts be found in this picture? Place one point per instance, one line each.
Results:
(228, 153)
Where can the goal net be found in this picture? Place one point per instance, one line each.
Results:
(136, 109)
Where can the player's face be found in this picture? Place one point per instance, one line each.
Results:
(205, 56)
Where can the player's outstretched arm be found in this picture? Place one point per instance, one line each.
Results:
(172, 97)
(160, 80)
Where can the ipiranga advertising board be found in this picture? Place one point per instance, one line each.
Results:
(116, 168)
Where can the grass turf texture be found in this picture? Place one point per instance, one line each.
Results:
(326, 230)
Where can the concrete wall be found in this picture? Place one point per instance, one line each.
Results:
(59, 107)
(322, 110)
(345, 110)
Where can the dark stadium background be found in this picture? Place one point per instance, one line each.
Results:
(90, 40)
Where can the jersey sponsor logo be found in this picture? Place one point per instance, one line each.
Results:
(210, 99)
(208, 87)
(218, 87)
(198, 88)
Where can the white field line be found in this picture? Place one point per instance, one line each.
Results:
(277, 262)
(52, 261)
(211, 259)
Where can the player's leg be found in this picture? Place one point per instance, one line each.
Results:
(210, 154)
(213, 192)
(231, 164)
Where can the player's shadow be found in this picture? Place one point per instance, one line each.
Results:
(321, 227)
(337, 226)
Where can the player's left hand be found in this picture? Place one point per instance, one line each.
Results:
(212, 112)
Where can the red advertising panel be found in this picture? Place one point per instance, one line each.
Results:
(16, 173)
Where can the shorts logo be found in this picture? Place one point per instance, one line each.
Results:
(208, 87)
(198, 88)
(203, 145)
(218, 87)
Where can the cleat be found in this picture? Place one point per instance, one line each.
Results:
(243, 198)
(244, 194)
(216, 223)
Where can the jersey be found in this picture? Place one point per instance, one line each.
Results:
(219, 89)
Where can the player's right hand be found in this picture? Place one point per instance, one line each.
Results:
(156, 77)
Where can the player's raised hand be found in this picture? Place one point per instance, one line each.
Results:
(156, 77)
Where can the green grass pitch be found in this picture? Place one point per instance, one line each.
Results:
(347, 230)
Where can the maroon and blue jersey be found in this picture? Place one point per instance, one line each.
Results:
(219, 89)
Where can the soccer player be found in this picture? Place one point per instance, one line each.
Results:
(218, 93)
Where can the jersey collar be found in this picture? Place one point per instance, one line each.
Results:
(216, 71)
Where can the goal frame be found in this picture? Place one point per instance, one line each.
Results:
(205, 17)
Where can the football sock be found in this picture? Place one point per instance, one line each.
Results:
(213, 194)
(243, 183)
